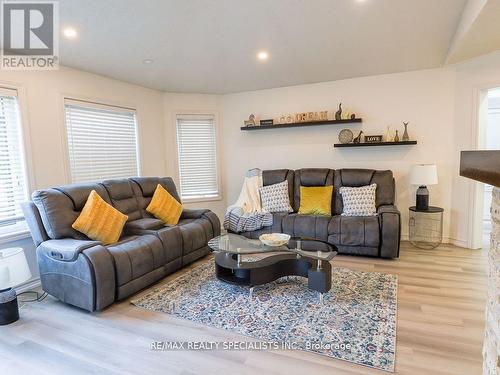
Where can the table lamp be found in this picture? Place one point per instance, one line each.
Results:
(423, 175)
(14, 270)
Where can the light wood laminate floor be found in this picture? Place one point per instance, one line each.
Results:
(441, 296)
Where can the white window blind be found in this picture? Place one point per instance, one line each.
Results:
(197, 155)
(102, 141)
(13, 186)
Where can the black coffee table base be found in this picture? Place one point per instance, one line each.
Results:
(229, 269)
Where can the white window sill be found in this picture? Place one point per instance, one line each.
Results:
(16, 236)
(198, 200)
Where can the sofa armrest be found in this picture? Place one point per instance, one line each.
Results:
(388, 208)
(390, 231)
(34, 221)
(66, 249)
(189, 213)
(80, 273)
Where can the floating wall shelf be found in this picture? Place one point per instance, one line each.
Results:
(299, 124)
(402, 143)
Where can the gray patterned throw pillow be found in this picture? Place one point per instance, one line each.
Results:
(359, 201)
(275, 198)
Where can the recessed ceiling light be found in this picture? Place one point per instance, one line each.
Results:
(70, 33)
(262, 55)
(147, 61)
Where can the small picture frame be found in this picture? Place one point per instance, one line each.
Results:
(267, 122)
(373, 138)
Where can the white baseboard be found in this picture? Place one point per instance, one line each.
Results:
(30, 285)
(446, 240)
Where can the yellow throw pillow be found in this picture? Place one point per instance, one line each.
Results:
(164, 206)
(100, 221)
(316, 200)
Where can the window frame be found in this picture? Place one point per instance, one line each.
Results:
(26, 156)
(216, 117)
(98, 104)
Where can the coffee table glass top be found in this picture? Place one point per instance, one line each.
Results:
(236, 244)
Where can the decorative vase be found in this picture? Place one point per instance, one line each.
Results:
(388, 134)
(338, 114)
(396, 137)
(406, 137)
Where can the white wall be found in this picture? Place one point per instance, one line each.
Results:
(472, 78)
(424, 98)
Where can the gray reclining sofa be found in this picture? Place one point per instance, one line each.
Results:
(86, 274)
(378, 235)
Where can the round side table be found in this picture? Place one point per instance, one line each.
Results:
(426, 227)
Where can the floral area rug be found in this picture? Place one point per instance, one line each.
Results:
(356, 321)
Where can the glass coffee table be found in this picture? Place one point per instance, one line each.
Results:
(302, 256)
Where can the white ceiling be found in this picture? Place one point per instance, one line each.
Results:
(210, 46)
(481, 26)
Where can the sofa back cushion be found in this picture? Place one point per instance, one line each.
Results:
(144, 188)
(123, 198)
(275, 176)
(59, 207)
(312, 177)
(385, 191)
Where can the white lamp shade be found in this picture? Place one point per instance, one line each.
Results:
(14, 268)
(424, 174)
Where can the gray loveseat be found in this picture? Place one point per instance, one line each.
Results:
(86, 274)
(378, 235)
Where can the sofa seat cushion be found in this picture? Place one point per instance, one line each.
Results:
(171, 238)
(354, 231)
(314, 226)
(146, 223)
(135, 256)
(195, 234)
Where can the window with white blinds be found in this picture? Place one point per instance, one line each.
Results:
(102, 141)
(197, 156)
(13, 185)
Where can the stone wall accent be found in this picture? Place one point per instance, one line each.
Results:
(491, 349)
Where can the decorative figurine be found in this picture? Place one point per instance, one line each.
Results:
(353, 116)
(250, 121)
(338, 114)
(346, 115)
(406, 137)
(396, 137)
(358, 138)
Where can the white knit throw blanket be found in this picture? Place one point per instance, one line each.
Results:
(247, 214)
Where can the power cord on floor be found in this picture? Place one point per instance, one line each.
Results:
(37, 297)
